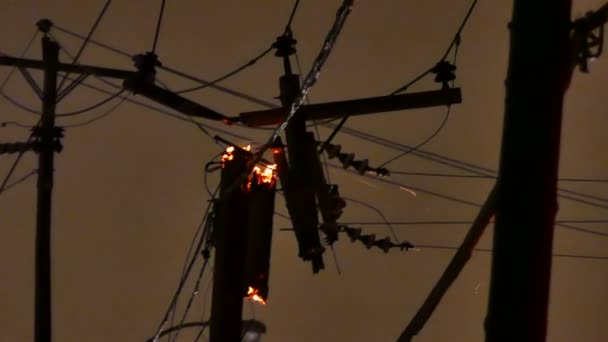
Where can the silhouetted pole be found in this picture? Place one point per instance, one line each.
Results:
(47, 136)
(230, 236)
(538, 76)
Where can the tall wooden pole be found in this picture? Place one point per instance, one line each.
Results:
(538, 76)
(47, 142)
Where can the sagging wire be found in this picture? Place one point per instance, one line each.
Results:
(229, 74)
(100, 116)
(422, 143)
(92, 107)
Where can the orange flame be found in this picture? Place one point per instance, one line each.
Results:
(264, 174)
(253, 294)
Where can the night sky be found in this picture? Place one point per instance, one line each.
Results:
(129, 188)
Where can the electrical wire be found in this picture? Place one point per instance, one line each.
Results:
(451, 175)
(182, 281)
(5, 188)
(201, 235)
(14, 123)
(229, 74)
(92, 107)
(199, 125)
(86, 40)
(487, 250)
(379, 212)
(422, 143)
(191, 299)
(455, 43)
(452, 222)
(99, 117)
(174, 71)
(18, 104)
(158, 23)
(28, 46)
(291, 17)
(458, 164)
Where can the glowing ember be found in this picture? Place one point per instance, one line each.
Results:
(254, 295)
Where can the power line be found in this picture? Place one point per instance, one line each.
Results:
(452, 222)
(3, 189)
(158, 23)
(291, 16)
(422, 143)
(229, 74)
(379, 212)
(86, 40)
(174, 71)
(487, 250)
(451, 175)
(458, 164)
(99, 117)
(92, 107)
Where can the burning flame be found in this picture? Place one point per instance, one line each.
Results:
(263, 173)
(267, 175)
(253, 294)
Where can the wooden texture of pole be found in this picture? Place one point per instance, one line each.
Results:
(46, 139)
(538, 77)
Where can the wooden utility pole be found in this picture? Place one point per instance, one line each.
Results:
(539, 71)
(47, 136)
(230, 238)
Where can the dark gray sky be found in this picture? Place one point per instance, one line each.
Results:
(129, 190)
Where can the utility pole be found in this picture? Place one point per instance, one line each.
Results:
(540, 64)
(47, 136)
(230, 239)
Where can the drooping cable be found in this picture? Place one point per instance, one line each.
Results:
(92, 107)
(229, 74)
(100, 116)
(422, 143)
